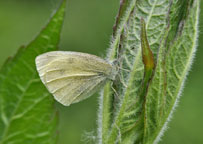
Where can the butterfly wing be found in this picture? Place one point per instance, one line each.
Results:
(72, 76)
(74, 89)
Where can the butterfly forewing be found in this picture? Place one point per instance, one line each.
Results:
(72, 76)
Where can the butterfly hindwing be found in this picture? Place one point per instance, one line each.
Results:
(78, 89)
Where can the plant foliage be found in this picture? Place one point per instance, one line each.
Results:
(128, 116)
(27, 114)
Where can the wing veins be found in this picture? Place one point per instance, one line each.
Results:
(63, 87)
(90, 88)
(71, 76)
(89, 70)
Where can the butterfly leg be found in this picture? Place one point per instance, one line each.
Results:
(122, 81)
(117, 96)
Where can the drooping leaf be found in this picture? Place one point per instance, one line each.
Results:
(171, 27)
(27, 114)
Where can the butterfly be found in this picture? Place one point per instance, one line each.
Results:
(73, 76)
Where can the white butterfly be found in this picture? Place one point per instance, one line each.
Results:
(73, 76)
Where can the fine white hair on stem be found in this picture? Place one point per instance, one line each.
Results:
(99, 118)
(89, 137)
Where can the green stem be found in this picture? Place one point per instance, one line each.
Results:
(106, 111)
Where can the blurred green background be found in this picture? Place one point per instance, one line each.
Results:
(87, 28)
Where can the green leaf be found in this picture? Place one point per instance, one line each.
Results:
(27, 113)
(172, 29)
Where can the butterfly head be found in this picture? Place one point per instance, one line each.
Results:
(114, 70)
